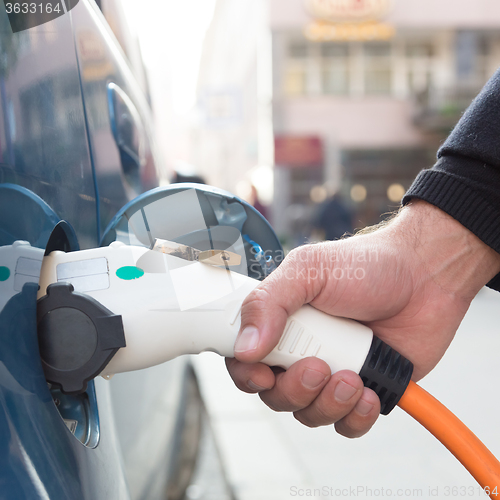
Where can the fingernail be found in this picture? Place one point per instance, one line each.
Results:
(363, 407)
(312, 378)
(248, 340)
(344, 391)
(256, 387)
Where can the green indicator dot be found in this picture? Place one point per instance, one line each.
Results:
(129, 272)
(4, 273)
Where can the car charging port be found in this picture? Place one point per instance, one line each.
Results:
(79, 412)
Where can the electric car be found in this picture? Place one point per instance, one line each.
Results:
(76, 145)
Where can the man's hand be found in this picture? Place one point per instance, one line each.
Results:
(411, 281)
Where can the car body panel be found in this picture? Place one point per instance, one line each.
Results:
(60, 160)
(43, 136)
(101, 63)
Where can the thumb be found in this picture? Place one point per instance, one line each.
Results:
(266, 309)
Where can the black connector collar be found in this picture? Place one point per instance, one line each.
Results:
(387, 373)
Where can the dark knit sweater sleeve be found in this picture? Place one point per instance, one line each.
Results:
(465, 181)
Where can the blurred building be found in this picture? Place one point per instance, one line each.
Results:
(232, 144)
(356, 98)
(364, 91)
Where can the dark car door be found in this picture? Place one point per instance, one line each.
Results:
(75, 145)
(49, 447)
(43, 136)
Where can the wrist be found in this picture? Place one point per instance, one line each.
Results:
(444, 250)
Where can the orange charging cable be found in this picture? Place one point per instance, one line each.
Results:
(455, 435)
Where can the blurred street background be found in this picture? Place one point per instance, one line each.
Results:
(321, 113)
(323, 106)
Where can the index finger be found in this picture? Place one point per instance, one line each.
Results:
(266, 309)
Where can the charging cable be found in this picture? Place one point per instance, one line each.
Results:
(455, 435)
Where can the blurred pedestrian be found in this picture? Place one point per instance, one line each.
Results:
(255, 201)
(333, 219)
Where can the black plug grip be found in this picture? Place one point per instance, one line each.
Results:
(387, 373)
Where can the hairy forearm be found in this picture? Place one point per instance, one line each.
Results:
(444, 250)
